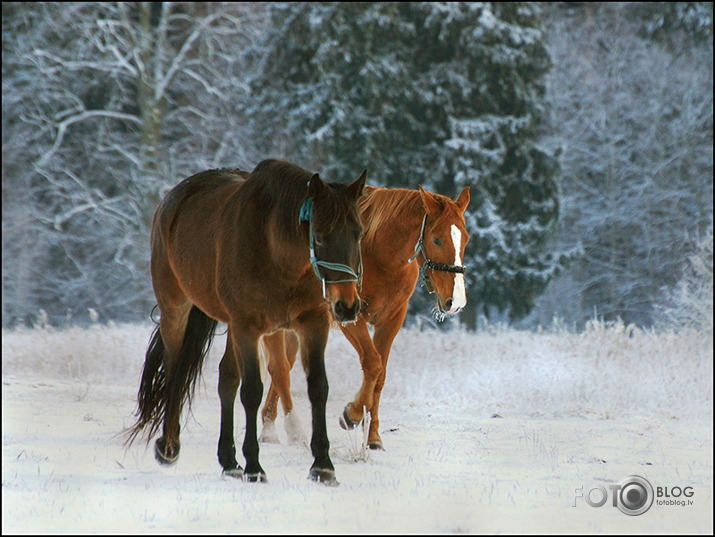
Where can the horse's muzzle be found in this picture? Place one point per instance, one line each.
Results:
(344, 313)
(448, 307)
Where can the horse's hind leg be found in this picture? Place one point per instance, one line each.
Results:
(182, 371)
(228, 381)
(281, 350)
(174, 307)
(172, 327)
(293, 427)
(273, 346)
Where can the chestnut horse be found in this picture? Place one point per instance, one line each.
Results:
(409, 234)
(278, 250)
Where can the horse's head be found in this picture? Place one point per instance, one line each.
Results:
(336, 232)
(442, 242)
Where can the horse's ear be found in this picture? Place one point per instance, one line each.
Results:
(316, 187)
(463, 199)
(431, 205)
(356, 188)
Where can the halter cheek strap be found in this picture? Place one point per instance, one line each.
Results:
(429, 264)
(306, 215)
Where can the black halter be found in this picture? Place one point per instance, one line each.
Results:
(429, 264)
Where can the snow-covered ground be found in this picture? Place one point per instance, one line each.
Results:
(484, 433)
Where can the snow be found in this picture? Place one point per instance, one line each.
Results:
(484, 432)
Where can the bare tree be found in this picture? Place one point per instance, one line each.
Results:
(690, 303)
(104, 106)
(634, 120)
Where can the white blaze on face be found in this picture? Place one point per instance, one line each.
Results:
(459, 293)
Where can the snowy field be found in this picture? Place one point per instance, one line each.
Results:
(491, 432)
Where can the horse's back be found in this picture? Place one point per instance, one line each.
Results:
(281, 170)
(208, 187)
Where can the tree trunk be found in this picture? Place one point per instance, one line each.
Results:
(151, 113)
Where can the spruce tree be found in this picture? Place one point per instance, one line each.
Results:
(442, 95)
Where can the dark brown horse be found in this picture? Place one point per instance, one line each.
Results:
(409, 235)
(247, 253)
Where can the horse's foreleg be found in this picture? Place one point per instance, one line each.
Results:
(313, 339)
(246, 344)
(383, 337)
(228, 381)
(371, 362)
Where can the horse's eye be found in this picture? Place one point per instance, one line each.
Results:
(319, 240)
(437, 241)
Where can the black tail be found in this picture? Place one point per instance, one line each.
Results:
(155, 390)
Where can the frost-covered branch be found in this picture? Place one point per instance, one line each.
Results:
(637, 159)
(76, 137)
(177, 61)
(87, 114)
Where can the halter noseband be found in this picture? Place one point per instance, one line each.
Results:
(429, 264)
(306, 215)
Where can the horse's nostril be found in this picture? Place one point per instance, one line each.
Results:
(343, 312)
(448, 303)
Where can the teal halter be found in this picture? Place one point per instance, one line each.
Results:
(306, 215)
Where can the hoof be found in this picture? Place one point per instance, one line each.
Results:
(326, 477)
(260, 477)
(236, 473)
(376, 445)
(166, 455)
(345, 421)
